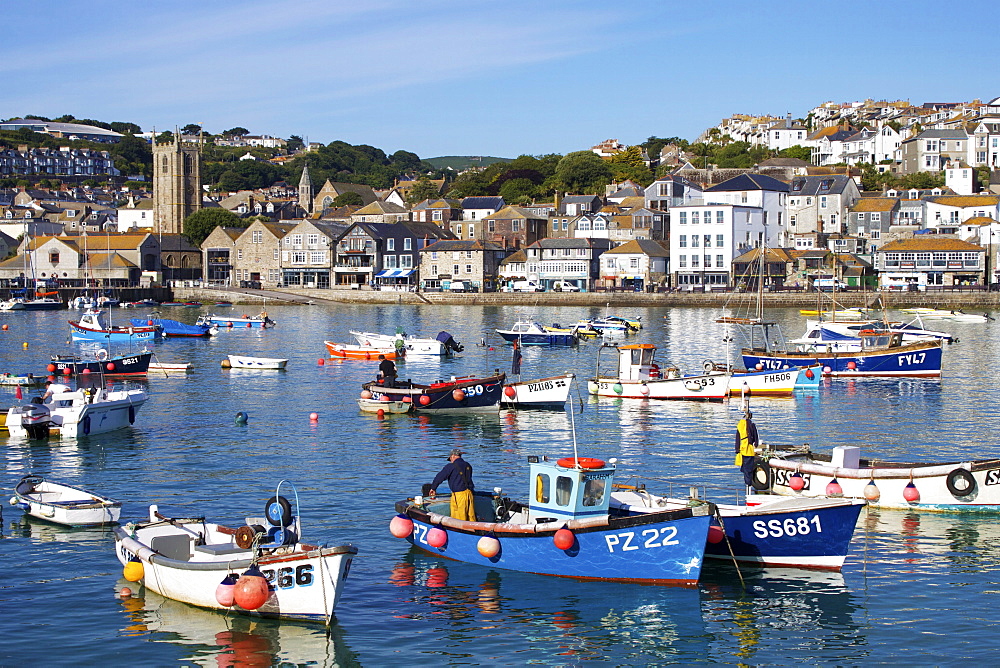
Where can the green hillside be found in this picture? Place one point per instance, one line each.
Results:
(463, 162)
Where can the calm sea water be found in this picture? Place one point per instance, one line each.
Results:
(917, 588)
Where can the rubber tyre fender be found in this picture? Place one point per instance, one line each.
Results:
(86, 425)
(278, 511)
(762, 477)
(956, 487)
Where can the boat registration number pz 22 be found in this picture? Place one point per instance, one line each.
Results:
(647, 538)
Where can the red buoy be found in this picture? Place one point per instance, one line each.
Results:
(833, 488)
(407, 399)
(85, 371)
(796, 482)
(321, 361)
(401, 526)
(250, 591)
(424, 400)
(809, 374)
(67, 371)
(224, 592)
(564, 539)
(386, 397)
(509, 391)
(380, 413)
(437, 537)
(852, 365)
(50, 368)
(111, 366)
(911, 493)
(715, 534)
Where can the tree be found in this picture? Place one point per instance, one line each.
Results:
(191, 129)
(583, 172)
(165, 137)
(236, 132)
(125, 128)
(294, 143)
(350, 198)
(518, 191)
(423, 189)
(797, 151)
(200, 224)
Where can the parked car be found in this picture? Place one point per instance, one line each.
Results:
(253, 285)
(827, 284)
(527, 286)
(565, 286)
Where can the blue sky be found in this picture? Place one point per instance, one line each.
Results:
(461, 77)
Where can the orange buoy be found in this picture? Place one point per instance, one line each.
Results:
(67, 371)
(509, 391)
(366, 394)
(796, 482)
(833, 488)
(458, 395)
(488, 546)
(715, 534)
(314, 417)
(424, 400)
(380, 412)
(50, 368)
(250, 591)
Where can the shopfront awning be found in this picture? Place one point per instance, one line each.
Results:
(394, 273)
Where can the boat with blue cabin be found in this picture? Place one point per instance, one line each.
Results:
(258, 321)
(566, 527)
(175, 327)
(530, 333)
(92, 326)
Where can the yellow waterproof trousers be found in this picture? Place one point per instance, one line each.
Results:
(462, 505)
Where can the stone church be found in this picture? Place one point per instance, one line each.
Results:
(176, 183)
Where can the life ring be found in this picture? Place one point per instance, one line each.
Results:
(961, 483)
(761, 478)
(866, 332)
(580, 462)
(708, 366)
(654, 371)
(102, 355)
(811, 349)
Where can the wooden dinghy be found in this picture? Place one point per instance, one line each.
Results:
(63, 504)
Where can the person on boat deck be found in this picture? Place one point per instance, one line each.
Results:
(388, 370)
(458, 473)
(52, 389)
(746, 443)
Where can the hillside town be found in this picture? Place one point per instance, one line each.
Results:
(696, 227)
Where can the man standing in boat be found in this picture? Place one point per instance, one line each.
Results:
(458, 473)
(388, 370)
(746, 444)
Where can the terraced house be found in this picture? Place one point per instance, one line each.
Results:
(926, 261)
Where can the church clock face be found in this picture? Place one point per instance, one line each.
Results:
(189, 189)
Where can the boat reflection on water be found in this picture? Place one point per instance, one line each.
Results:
(41, 531)
(932, 541)
(575, 620)
(219, 639)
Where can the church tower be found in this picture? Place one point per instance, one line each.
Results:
(176, 183)
(306, 191)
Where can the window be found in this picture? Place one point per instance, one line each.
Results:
(54, 257)
(682, 241)
(567, 252)
(683, 218)
(555, 225)
(472, 231)
(297, 240)
(695, 218)
(822, 202)
(593, 492)
(274, 254)
(468, 255)
(458, 230)
(542, 488)
(565, 224)
(389, 262)
(437, 215)
(809, 201)
(317, 257)
(564, 490)
(434, 270)
(634, 263)
(239, 253)
(694, 241)
(454, 269)
(434, 255)
(708, 241)
(861, 216)
(257, 237)
(708, 261)
(720, 217)
(71, 213)
(468, 268)
(694, 261)
(298, 257)
(719, 241)
(407, 244)
(312, 240)
(390, 244)
(873, 217)
(720, 261)
(405, 261)
(682, 261)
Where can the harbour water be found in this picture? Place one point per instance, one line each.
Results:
(916, 588)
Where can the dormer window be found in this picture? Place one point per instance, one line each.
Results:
(71, 213)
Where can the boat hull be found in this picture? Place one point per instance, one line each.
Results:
(711, 387)
(781, 383)
(270, 363)
(662, 551)
(292, 578)
(769, 530)
(82, 413)
(478, 395)
(125, 365)
(539, 339)
(921, 360)
(259, 323)
(891, 480)
(413, 345)
(374, 406)
(174, 327)
(542, 393)
(351, 352)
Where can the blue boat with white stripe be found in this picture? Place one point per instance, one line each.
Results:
(566, 528)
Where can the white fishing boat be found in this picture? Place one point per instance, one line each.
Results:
(245, 362)
(260, 568)
(972, 485)
(638, 376)
(63, 504)
(551, 392)
(949, 314)
(443, 345)
(82, 412)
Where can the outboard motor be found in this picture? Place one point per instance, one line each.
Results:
(36, 419)
(450, 345)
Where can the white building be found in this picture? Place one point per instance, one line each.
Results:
(705, 238)
(756, 190)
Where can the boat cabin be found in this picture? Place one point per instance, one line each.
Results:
(636, 363)
(93, 319)
(875, 339)
(561, 491)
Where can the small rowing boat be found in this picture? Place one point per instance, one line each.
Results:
(63, 504)
(245, 362)
(351, 352)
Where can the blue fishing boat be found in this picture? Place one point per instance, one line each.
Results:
(175, 327)
(766, 530)
(92, 326)
(466, 394)
(259, 321)
(567, 528)
(529, 333)
(876, 353)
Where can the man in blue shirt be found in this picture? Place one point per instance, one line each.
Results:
(458, 473)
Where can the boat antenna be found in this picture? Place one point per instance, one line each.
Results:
(572, 426)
